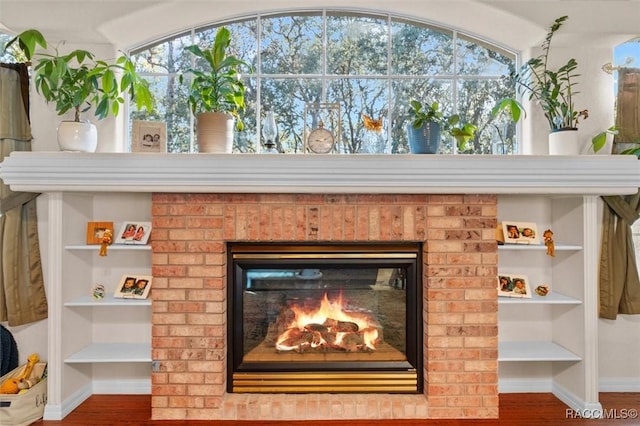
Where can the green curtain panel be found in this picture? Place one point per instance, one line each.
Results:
(22, 294)
(619, 281)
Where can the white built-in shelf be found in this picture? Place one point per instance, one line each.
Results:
(112, 352)
(534, 351)
(552, 298)
(108, 300)
(96, 247)
(559, 247)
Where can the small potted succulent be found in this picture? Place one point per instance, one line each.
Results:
(428, 123)
(78, 81)
(216, 96)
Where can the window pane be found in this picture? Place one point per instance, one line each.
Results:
(13, 54)
(475, 58)
(287, 99)
(292, 44)
(476, 98)
(244, 44)
(356, 45)
(420, 50)
(245, 141)
(166, 57)
(357, 97)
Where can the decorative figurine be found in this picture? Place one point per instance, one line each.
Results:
(98, 291)
(542, 290)
(107, 239)
(548, 241)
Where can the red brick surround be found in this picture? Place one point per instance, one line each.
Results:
(189, 299)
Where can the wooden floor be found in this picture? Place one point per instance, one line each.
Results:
(515, 409)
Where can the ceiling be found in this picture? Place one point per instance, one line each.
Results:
(85, 20)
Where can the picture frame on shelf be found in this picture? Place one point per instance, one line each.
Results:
(514, 285)
(96, 230)
(148, 136)
(133, 286)
(520, 232)
(133, 232)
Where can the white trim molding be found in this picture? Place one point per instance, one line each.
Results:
(298, 173)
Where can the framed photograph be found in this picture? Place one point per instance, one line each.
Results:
(133, 232)
(133, 286)
(95, 231)
(520, 232)
(510, 285)
(149, 136)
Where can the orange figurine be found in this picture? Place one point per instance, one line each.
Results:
(12, 385)
(548, 241)
(107, 239)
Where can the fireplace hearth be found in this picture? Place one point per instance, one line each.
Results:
(324, 318)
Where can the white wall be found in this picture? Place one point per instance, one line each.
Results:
(619, 354)
(592, 31)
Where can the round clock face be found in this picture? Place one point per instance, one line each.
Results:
(320, 141)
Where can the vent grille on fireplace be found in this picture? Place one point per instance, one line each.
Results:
(325, 318)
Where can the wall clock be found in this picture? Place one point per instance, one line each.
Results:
(321, 128)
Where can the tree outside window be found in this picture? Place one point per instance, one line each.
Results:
(370, 64)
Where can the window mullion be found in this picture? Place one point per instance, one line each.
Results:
(323, 78)
(258, 144)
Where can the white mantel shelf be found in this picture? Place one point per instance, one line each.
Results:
(382, 174)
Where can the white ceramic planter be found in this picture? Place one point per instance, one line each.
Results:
(77, 136)
(215, 132)
(564, 142)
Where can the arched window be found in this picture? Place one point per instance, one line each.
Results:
(370, 64)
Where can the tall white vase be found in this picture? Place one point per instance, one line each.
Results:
(77, 136)
(215, 132)
(564, 142)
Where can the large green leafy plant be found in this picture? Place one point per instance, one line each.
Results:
(220, 88)
(553, 90)
(420, 114)
(78, 80)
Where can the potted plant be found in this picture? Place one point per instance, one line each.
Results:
(514, 111)
(427, 124)
(76, 82)
(216, 96)
(553, 90)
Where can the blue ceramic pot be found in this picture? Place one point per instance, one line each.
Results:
(424, 140)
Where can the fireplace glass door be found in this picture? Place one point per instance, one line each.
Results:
(324, 318)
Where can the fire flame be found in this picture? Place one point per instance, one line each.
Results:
(329, 326)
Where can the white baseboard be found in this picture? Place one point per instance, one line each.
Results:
(573, 401)
(117, 387)
(59, 412)
(619, 384)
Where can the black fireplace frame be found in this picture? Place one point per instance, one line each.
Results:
(244, 255)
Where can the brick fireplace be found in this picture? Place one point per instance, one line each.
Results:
(189, 240)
